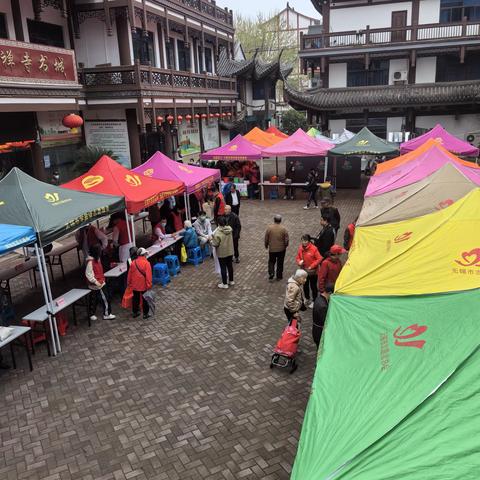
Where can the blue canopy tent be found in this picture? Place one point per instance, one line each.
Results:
(15, 236)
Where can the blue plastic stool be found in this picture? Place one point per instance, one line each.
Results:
(274, 194)
(206, 251)
(160, 274)
(195, 256)
(173, 264)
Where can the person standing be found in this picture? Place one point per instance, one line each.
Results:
(254, 180)
(96, 283)
(120, 238)
(276, 241)
(289, 188)
(234, 221)
(218, 205)
(312, 188)
(348, 235)
(326, 237)
(330, 268)
(320, 309)
(294, 299)
(89, 236)
(233, 199)
(222, 240)
(203, 227)
(308, 258)
(328, 210)
(154, 215)
(140, 280)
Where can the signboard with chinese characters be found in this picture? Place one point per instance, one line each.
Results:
(188, 139)
(109, 135)
(24, 62)
(210, 134)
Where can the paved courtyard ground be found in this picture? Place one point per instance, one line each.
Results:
(187, 395)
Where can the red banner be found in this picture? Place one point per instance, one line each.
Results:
(27, 61)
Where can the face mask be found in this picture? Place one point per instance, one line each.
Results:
(163, 225)
(202, 219)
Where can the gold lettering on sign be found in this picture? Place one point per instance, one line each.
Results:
(43, 65)
(26, 62)
(59, 66)
(7, 58)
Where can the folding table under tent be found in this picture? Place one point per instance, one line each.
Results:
(109, 177)
(160, 167)
(449, 141)
(52, 212)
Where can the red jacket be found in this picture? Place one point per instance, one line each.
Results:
(140, 275)
(310, 255)
(328, 273)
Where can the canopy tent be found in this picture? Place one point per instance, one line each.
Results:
(298, 144)
(410, 364)
(449, 141)
(109, 177)
(408, 157)
(364, 143)
(276, 132)
(438, 252)
(437, 191)
(237, 149)
(15, 236)
(314, 133)
(343, 137)
(261, 139)
(425, 163)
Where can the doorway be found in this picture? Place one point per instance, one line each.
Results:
(399, 22)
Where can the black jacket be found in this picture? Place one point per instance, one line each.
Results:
(333, 214)
(320, 307)
(228, 198)
(312, 180)
(234, 222)
(325, 239)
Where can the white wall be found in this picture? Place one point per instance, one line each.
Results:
(337, 126)
(426, 70)
(397, 65)
(357, 18)
(394, 124)
(95, 47)
(6, 8)
(337, 75)
(429, 11)
(458, 126)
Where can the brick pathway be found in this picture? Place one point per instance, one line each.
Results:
(186, 395)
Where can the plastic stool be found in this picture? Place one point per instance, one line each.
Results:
(160, 274)
(173, 264)
(206, 251)
(195, 256)
(274, 194)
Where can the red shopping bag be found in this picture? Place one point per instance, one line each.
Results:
(127, 298)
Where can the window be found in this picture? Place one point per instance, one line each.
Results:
(3, 26)
(377, 126)
(45, 33)
(377, 74)
(259, 90)
(183, 56)
(449, 68)
(453, 11)
(208, 60)
(170, 54)
(143, 47)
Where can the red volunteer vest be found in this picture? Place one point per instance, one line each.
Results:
(98, 270)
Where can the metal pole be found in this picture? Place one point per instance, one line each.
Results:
(326, 169)
(45, 295)
(262, 193)
(132, 222)
(127, 219)
(186, 201)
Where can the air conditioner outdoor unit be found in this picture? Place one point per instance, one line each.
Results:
(400, 76)
(473, 138)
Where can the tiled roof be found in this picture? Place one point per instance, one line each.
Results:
(386, 95)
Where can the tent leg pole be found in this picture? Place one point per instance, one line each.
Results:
(132, 221)
(127, 219)
(262, 190)
(47, 300)
(325, 171)
(187, 210)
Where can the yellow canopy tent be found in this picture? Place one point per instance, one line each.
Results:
(439, 252)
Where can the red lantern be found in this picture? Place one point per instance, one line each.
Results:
(204, 115)
(160, 120)
(179, 118)
(224, 115)
(212, 115)
(188, 117)
(72, 120)
(170, 119)
(229, 114)
(197, 116)
(217, 115)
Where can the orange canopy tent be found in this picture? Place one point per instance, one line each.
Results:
(276, 132)
(402, 159)
(109, 177)
(262, 139)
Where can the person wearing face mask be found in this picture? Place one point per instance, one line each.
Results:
(159, 232)
(203, 227)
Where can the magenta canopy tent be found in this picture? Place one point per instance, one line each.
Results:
(238, 149)
(424, 165)
(298, 145)
(161, 167)
(447, 140)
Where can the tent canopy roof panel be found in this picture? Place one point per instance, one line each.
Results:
(15, 236)
(261, 139)
(299, 144)
(238, 149)
(364, 143)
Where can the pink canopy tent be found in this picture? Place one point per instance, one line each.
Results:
(449, 141)
(428, 162)
(298, 144)
(238, 149)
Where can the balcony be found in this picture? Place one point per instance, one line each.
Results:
(209, 8)
(391, 39)
(140, 80)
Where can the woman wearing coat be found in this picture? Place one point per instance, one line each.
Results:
(140, 280)
(222, 240)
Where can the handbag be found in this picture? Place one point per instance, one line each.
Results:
(183, 254)
(127, 298)
(149, 297)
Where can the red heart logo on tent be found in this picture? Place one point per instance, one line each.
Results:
(470, 259)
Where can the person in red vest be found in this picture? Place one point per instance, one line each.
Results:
(330, 268)
(120, 238)
(96, 283)
(89, 236)
(218, 205)
(348, 235)
(140, 280)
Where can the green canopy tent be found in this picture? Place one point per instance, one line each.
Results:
(395, 392)
(52, 212)
(365, 143)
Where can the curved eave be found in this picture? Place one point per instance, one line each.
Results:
(318, 5)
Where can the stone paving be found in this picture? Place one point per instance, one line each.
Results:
(186, 395)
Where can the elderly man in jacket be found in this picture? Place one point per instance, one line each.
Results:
(276, 241)
(294, 299)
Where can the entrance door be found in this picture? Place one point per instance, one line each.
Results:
(399, 22)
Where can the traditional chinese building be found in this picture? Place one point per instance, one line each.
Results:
(394, 66)
(143, 75)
